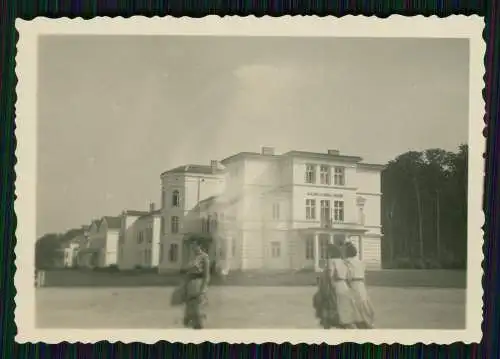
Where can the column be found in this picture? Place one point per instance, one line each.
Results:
(316, 252)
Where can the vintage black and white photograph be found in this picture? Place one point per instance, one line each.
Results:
(204, 177)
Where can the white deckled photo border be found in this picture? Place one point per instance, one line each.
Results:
(349, 26)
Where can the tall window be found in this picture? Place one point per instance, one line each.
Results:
(338, 211)
(276, 211)
(204, 225)
(176, 199)
(324, 174)
(163, 194)
(209, 223)
(323, 247)
(310, 247)
(173, 253)
(275, 249)
(310, 209)
(162, 225)
(325, 210)
(215, 222)
(161, 253)
(149, 234)
(140, 237)
(310, 174)
(339, 176)
(174, 224)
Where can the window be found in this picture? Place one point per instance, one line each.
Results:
(215, 222)
(325, 211)
(149, 235)
(162, 225)
(310, 174)
(233, 248)
(140, 237)
(324, 175)
(161, 253)
(276, 211)
(339, 176)
(275, 249)
(309, 248)
(323, 247)
(174, 224)
(163, 194)
(173, 253)
(338, 211)
(176, 199)
(204, 225)
(208, 224)
(310, 209)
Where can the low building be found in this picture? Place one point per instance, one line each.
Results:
(101, 247)
(139, 241)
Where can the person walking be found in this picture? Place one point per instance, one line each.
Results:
(356, 280)
(196, 286)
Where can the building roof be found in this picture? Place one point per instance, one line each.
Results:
(197, 169)
(151, 214)
(318, 155)
(113, 222)
(96, 222)
(325, 156)
(248, 155)
(131, 212)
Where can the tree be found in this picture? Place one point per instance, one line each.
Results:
(46, 250)
(424, 207)
(48, 247)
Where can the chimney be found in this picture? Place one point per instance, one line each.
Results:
(214, 165)
(268, 151)
(333, 152)
(151, 207)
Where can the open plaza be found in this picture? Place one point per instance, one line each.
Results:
(240, 307)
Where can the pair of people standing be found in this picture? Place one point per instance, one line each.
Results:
(342, 300)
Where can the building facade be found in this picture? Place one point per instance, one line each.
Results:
(101, 247)
(183, 188)
(279, 212)
(139, 245)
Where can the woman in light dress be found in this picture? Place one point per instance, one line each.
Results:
(356, 279)
(334, 302)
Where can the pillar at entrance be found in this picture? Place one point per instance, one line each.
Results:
(316, 252)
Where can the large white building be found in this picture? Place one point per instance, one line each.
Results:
(275, 212)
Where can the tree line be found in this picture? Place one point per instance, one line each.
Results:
(424, 210)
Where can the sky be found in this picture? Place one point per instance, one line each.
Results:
(114, 112)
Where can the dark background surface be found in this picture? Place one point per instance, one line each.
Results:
(28, 9)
